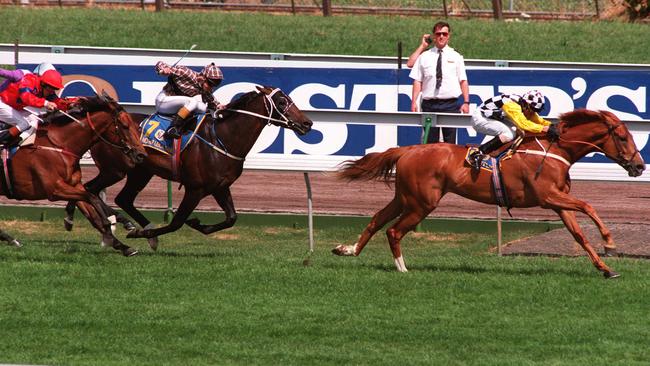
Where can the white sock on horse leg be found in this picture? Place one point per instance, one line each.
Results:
(399, 263)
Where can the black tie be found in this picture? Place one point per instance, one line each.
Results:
(439, 70)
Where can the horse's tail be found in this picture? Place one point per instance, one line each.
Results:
(373, 166)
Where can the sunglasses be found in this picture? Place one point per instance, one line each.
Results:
(443, 34)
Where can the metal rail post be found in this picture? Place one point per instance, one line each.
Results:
(499, 230)
(310, 213)
(169, 212)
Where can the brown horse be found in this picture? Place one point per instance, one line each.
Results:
(49, 168)
(425, 173)
(209, 165)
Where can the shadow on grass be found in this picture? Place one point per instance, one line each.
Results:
(469, 269)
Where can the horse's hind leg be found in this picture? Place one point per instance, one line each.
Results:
(381, 218)
(224, 199)
(569, 219)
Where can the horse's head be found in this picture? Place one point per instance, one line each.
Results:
(121, 131)
(283, 112)
(611, 137)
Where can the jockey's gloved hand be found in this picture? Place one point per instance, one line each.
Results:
(553, 133)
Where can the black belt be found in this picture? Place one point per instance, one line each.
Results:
(442, 100)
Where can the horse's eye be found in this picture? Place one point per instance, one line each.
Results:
(282, 103)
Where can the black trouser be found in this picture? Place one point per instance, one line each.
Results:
(441, 105)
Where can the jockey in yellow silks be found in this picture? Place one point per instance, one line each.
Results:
(503, 114)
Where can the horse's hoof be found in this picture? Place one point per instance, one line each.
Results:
(344, 250)
(129, 252)
(611, 252)
(153, 243)
(129, 226)
(611, 274)
(135, 233)
(67, 223)
(15, 243)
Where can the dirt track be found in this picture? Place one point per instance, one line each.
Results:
(271, 191)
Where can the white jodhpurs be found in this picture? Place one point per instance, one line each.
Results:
(493, 127)
(170, 104)
(23, 120)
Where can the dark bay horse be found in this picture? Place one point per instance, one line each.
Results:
(425, 173)
(209, 165)
(49, 168)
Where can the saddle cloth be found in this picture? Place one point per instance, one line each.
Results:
(6, 154)
(153, 130)
(492, 165)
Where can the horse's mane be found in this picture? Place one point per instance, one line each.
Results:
(84, 105)
(239, 103)
(583, 115)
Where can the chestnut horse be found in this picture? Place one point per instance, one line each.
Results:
(209, 165)
(49, 168)
(425, 173)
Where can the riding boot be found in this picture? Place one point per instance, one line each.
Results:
(477, 156)
(175, 129)
(8, 135)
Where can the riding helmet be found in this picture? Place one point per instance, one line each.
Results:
(534, 99)
(212, 72)
(52, 78)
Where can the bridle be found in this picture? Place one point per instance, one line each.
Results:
(620, 158)
(271, 109)
(125, 147)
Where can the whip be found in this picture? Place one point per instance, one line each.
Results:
(182, 57)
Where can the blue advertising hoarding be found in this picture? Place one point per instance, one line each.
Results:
(378, 89)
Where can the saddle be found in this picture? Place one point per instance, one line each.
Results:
(493, 165)
(153, 133)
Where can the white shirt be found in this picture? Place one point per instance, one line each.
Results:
(453, 72)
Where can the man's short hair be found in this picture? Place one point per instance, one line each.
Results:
(441, 25)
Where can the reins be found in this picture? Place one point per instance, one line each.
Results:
(268, 101)
(124, 148)
(545, 152)
(270, 107)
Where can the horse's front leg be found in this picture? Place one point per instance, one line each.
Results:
(62, 191)
(224, 199)
(568, 202)
(189, 202)
(9, 239)
(569, 219)
(92, 215)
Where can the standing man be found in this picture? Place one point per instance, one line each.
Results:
(439, 74)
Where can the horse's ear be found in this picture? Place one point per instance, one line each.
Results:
(259, 88)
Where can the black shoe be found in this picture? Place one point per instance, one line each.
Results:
(172, 133)
(476, 158)
(5, 137)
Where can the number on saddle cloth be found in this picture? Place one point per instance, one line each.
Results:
(153, 130)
